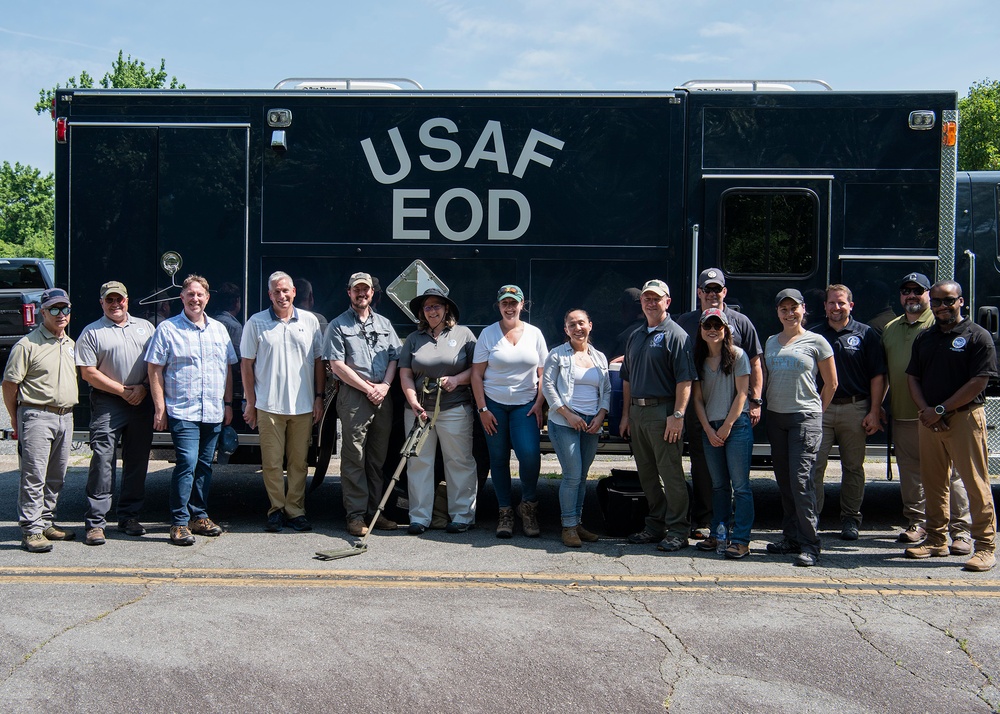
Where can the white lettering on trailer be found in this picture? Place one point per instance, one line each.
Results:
(528, 153)
(434, 142)
(401, 212)
(492, 130)
(376, 166)
(403, 208)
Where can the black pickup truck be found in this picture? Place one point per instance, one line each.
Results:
(22, 281)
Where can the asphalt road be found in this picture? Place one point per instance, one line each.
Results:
(251, 621)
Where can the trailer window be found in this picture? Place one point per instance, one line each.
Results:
(769, 231)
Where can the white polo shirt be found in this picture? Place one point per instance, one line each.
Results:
(285, 355)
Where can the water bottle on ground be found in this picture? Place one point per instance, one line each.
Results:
(720, 538)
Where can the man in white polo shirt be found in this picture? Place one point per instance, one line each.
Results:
(284, 380)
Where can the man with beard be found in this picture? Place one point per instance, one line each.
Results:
(897, 341)
(947, 375)
(363, 349)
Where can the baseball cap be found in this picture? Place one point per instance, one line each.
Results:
(789, 293)
(510, 291)
(54, 296)
(712, 276)
(656, 286)
(115, 287)
(716, 313)
(360, 278)
(918, 278)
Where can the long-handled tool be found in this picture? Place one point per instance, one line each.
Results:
(411, 447)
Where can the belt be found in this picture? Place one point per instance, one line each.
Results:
(48, 408)
(655, 402)
(849, 400)
(966, 407)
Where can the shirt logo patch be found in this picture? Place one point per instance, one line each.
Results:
(141, 331)
(452, 343)
(958, 344)
(656, 340)
(854, 341)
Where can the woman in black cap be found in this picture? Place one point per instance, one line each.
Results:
(435, 365)
(795, 406)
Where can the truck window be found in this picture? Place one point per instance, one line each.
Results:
(769, 231)
(24, 277)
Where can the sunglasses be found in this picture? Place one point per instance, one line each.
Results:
(57, 311)
(712, 290)
(918, 291)
(947, 302)
(712, 325)
(113, 299)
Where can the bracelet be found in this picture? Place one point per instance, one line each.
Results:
(227, 404)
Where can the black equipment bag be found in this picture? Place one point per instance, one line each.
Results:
(622, 503)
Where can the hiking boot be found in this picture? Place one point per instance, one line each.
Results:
(735, 551)
(643, 537)
(849, 529)
(708, 544)
(131, 527)
(528, 511)
(981, 561)
(300, 524)
(53, 532)
(585, 535)
(913, 534)
(783, 547)
(961, 546)
(926, 550)
(95, 536)
(205, 527)
(356, 526)
(36, 543)
(181, 535)
(570, 538)
(505, 523)
(671, 544)
(384, 524)
(275, 522)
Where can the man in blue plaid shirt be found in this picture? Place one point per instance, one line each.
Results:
(192, 388)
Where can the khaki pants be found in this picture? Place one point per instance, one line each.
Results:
(842, 424)
(285, 437)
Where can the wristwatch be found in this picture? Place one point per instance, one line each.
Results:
(483, 409)
(756, 400)
(939, 410)
(678, 415)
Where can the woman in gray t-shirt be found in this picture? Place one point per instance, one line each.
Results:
(792, 359)
(720, 401)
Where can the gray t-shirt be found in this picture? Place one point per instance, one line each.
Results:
(446, 356)
(791, 373)
(718, 389)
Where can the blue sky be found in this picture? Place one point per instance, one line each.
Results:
(504, 44)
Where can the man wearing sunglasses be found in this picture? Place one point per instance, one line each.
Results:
(39, 391)
(952, 362)
(110, 354)
(897, 341)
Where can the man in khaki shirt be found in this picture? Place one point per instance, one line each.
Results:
(39, 391)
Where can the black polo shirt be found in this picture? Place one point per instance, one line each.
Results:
(944, 361)
(857, 354)
(744, 333)
(656, 361)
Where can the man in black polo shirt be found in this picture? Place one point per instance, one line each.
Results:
(712, 294)
(951, 363)
(854, 412)
(656, 383)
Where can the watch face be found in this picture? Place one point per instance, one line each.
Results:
(939, 409)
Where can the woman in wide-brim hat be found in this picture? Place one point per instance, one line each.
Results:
(437, 357)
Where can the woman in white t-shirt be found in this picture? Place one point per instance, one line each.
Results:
(506, 368)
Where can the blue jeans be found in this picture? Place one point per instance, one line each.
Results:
(517, 430)
(729, 466)
(194, 444)
(575, 451)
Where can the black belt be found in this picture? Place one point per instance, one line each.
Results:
(48, 408)
(849, 400)
(652, 402)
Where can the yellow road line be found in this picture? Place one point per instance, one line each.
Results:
(436, 580)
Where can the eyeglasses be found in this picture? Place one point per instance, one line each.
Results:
(433, 308)
(712, 290)
(716, 326)
(57, 311)
(947, 302)
(112, 299)
(918, 291)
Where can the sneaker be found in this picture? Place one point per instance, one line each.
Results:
(300, 524)
(528, 511)
(961, 546)
(356, 526)
(981, 561)
(36, 543)
(384, 524)
(131, 527)
(735, 551)
(913, 534)
(205, 527)
(806, 560)
(54, 532)
(585, 535)
(505, 523)
(416, 529)
(643, 537)
(926, 550)
(181, 535)
(709, 543)
(456, 527)
(671, 544)
(783, 547)
(570, 538)
(275, 522)
(849, 530)
(95, 536)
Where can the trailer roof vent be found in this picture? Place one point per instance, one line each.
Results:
(753, 85)
(366, 84)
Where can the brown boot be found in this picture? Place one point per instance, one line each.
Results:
(528, 511)
(505, 523)
(585, 535)
(570, 537)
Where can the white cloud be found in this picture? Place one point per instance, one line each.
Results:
(722, 29)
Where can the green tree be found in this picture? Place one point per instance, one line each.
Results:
(979, 127)
(27, 212)
(126, 73)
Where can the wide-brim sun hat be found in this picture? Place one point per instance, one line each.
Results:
(417, 303)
